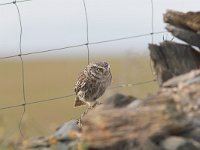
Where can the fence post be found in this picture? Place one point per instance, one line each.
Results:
(171, 59)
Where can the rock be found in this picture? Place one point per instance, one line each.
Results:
(184, 79)
(64, 138)
(135, 104)
(118, 100)
(173, 143)
(65, 131)
(194, 135)
(167, 120)
(39, 143)
(188, 146)
(169, 112)
(179, 143)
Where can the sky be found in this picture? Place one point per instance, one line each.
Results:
(49, 24)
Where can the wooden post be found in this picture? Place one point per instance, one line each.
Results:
(171, 59)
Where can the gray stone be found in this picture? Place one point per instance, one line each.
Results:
(179, 143)
(194, 134)
(135, 104)
(62, 133)
(173, 143)
(188, 146)
(118, 100)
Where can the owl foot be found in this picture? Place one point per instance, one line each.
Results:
(86, 111)
(80, 120)
(79, 124)
(95, 104)
(81, 117)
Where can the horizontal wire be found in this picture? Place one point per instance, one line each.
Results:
(50, 99)
(70, 95)
(11, 56)
(55, 49)
(132, 84)
(23, 1)
(2, 4)
(43, 51)
(79, 45)
(128, 37)
(38, 101)
(9, 107)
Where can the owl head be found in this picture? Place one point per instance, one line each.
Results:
(98, 70)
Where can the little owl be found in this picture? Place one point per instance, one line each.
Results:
(92, 83)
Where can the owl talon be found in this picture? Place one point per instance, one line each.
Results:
(95, 104)
(81, 117)
(79, 123)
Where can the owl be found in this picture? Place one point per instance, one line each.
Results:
(92, 83)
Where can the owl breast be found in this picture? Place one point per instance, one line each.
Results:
(96, 89)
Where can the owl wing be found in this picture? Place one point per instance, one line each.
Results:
(81, 83)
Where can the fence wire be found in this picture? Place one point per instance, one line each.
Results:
(152, 35)
(22, 68)
(87, 44)
(122, 85)
(3, 4)
(84, 44)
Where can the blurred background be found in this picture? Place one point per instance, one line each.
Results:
(52, 24)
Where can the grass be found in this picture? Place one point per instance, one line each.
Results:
(47, 78)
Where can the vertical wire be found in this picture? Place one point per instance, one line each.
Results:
(152, 22)
(152, 34)
(87, 32)
(86, 19)
(88, 54)
(22, 66)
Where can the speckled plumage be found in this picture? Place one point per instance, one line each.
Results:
(92, 83)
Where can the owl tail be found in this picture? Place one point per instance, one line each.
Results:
(78, 102)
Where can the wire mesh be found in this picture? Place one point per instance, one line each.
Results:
(21, 55)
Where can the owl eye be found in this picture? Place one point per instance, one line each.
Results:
(99, 69)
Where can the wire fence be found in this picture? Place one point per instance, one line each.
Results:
(21, 55)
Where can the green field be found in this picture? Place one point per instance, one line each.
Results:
(48, 78)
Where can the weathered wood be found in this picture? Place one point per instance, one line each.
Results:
(186, 35)
(171, 59)
(151, 125)
(190, 20)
